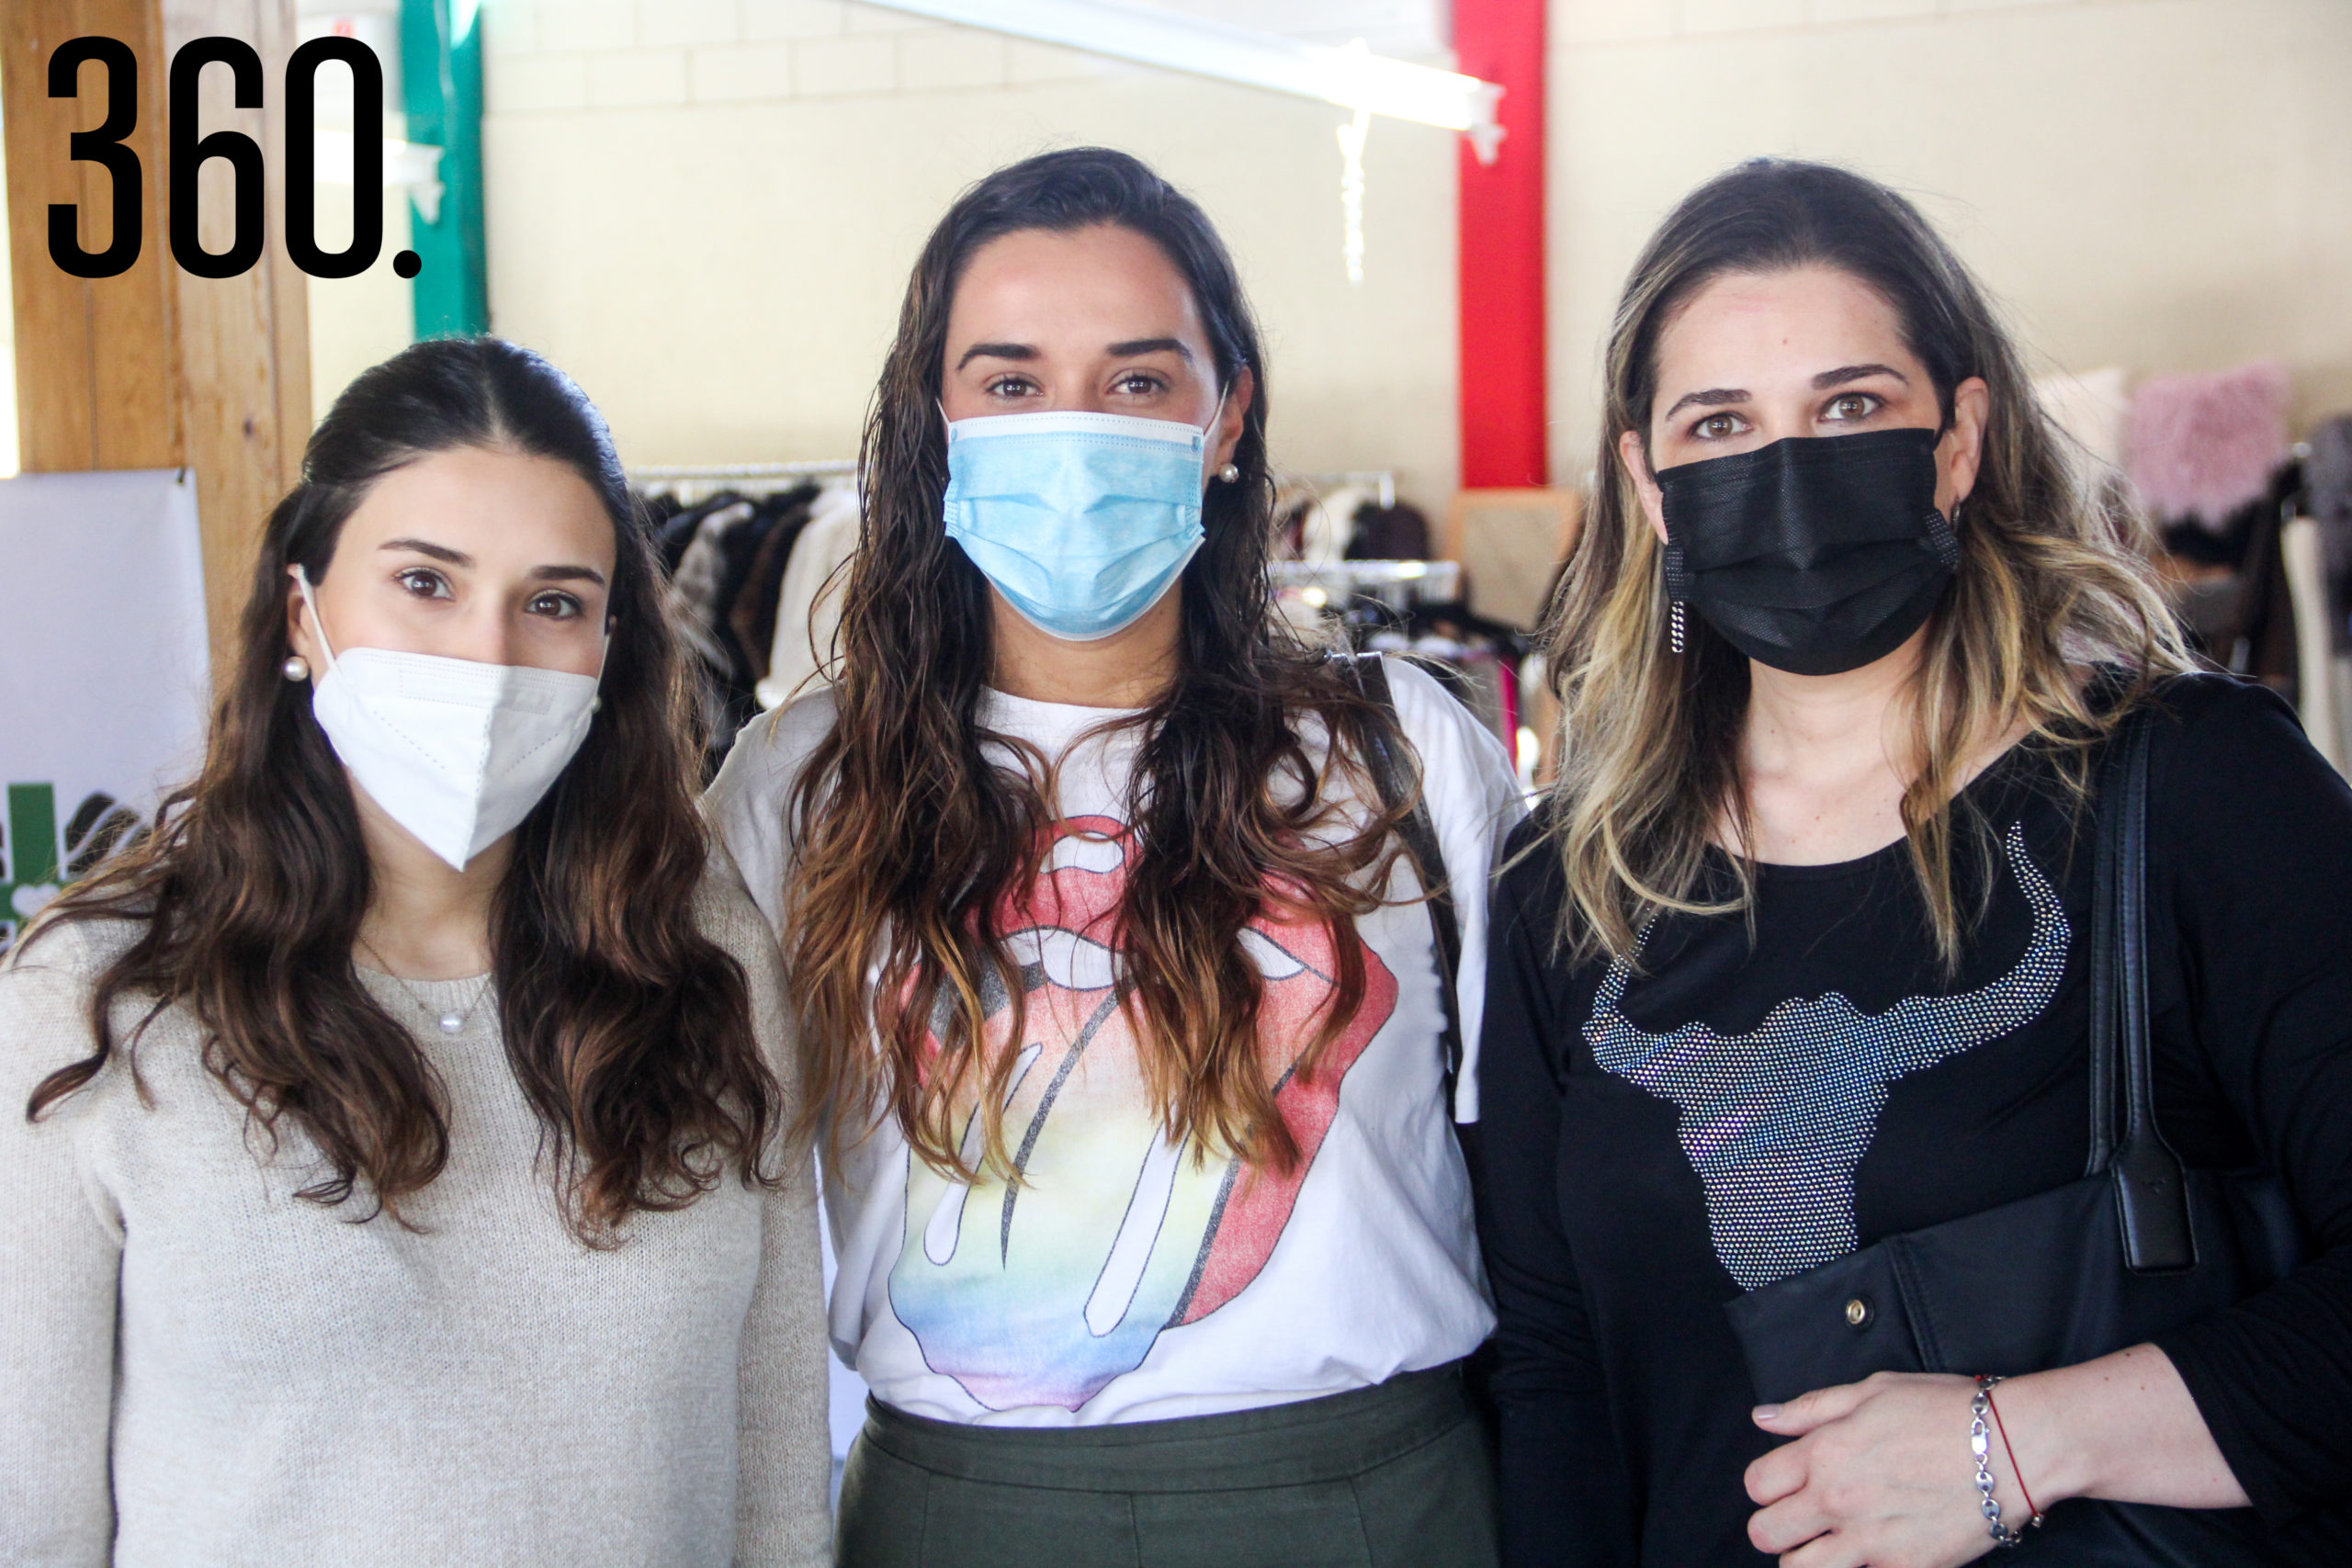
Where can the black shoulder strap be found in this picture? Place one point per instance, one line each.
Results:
(1419, 833)
(2151, 1194)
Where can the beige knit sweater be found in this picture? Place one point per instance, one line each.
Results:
(196, 1367)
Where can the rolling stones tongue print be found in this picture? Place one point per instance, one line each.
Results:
(1042, 1293)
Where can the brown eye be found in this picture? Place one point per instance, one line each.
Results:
(424, 581)
(1853, 405)
(1718, 426)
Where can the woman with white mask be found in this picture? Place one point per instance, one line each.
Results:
(1130, 1024)
(395, 1159)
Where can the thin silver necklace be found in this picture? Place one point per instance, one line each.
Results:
(450, 1022)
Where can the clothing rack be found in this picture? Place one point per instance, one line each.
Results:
(1397, 584)
(691, 483)
(1384, 480)
(684, 479)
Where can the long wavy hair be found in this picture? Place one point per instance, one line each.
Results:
(2051, 582)
(907, 836)
(629, 1031)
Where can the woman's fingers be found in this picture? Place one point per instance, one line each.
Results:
(1805, 1412)
(1787, 1524)
(1834, 1549)
(1777, 1474)
(1880, 1476)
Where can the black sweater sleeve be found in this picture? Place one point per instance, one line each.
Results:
(2258, 831)
(1565, 1494)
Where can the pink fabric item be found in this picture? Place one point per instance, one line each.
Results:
(2203, 445)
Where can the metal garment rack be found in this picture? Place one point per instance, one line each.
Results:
(691, 483)
(682, 477)
(1399, 584)
(1384, 480)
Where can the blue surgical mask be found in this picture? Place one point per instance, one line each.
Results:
(1081, 520)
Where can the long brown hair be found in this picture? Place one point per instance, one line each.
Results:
(629, 1031)
(908, 837)
(2050, 581)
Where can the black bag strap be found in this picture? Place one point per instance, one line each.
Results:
(1421, 847)
(2150, 1190)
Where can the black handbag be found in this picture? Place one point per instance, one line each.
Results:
(2139, 1246)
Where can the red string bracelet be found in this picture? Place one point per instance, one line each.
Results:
(2033, 1514)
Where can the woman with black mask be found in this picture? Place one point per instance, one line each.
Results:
(1785, 1063)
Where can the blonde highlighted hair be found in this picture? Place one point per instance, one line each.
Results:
(2051, 583)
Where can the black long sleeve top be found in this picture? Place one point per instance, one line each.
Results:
(1616, 1224)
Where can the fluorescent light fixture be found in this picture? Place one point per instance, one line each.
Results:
(1352, 78)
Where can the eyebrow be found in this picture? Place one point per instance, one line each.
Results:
(1151, 346)
(434, 552)
(1846, 373)
(458, 558)
(997, 351)
(1714, 397)
(1717, 397)
(1127, 350)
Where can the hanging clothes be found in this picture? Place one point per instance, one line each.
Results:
(2090, 409)
(726, 558)
(2199, 448)
(2327, 498)
(752, 606)
(1327, 531)
(809, 598)
(1389, 533)
(694, 592)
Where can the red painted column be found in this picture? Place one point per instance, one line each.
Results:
(1500, 278)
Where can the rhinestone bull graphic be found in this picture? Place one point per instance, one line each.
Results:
(1775, 1121)
(1042, 1293)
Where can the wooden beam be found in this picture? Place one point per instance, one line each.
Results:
(158, 368)
(96, 366)
(244, 346)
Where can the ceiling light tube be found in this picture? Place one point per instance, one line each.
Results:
(1352, 78)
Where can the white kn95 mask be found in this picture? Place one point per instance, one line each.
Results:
(455, 751)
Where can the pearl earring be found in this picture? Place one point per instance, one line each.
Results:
(296, 668)
(596, 703)
(1230, 473)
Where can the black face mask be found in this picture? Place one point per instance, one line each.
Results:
(1815, 555)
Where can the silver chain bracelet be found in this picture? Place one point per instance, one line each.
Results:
(1979, 1443)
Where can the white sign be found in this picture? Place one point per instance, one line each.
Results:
(104, 673)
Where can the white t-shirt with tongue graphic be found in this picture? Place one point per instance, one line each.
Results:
(1127, 1279)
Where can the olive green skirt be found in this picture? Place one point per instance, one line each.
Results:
(1397, 1476)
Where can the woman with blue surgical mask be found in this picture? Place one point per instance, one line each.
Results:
(1130, 1033)
(395, 1149)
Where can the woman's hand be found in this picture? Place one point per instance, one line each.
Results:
(1879, 1474)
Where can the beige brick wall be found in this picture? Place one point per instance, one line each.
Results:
(707, 208)
(2151, 184)
(561, 55)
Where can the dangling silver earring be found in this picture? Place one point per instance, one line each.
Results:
(296, 668)
(1674, 628)
(1230, 473)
